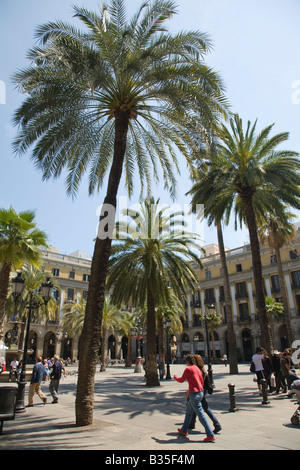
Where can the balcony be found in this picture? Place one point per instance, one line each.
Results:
(244, 319)
(241, 295)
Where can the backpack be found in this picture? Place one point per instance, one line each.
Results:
(208, 385)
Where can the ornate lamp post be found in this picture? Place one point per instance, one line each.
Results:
(138, 333)
(31, 304)
(167, 327)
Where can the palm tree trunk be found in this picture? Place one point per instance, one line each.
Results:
(91, 331)
(129, 352)
(290, 335)
(161, 342)
(257, 272)
(233, 366)
(4, 284)
(103, 350)
(151, 364)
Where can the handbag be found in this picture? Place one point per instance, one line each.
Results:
(252, 367)
(208, 385)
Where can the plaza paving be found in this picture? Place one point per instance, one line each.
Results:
(128, 416)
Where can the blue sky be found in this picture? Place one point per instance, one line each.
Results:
(256, 51)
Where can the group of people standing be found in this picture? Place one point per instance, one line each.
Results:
(278, 365)
(41, 370)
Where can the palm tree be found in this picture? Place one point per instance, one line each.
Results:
(115, 97)
(73, 320)
(20, 242)
(153, 260)
(254, 178)
(205, 191)
(277, 232)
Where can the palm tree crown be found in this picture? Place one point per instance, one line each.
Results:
(156, 263)
(81, 82)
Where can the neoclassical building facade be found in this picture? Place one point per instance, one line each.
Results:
(72, 273)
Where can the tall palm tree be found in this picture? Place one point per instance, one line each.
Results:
(114, 97)
(20, 243)
(205, 191)
(277, 232)
(253, 178)
(153, 260)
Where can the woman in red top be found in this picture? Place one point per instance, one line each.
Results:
(196, 392)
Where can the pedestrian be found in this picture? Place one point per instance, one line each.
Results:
(13, 369)
(55, 376)
(210, 414)
(279, 382)
(285, 364)
(257, 360)
(195, 380)
(35, 383)
(225, 359)
(268, 369)
(46, 370)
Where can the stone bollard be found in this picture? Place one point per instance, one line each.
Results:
(264, 387)
(232, 398)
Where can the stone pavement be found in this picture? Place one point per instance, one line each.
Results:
(131, 417)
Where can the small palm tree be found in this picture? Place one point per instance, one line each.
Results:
(116, 97)
(20, 243)
(33, 279)
(146, 261)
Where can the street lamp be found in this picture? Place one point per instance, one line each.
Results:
(31, 304)
(138, 334)
(209, 367)
(167, 326)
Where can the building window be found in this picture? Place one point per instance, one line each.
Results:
(241, 291)
(293, 254)
(244, 312)
(55, 272)
(275, 286)
(273, 259)
(72, 275)
(84, 294)
(221, 294)
(207, 275)
(86, 277)
(295, 279)
(70, 295)
(209, 296)
(239, 268)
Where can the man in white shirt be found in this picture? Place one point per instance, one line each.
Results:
(257, 359)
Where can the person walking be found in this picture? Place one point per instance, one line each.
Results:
(195, 380)
(55, 376)
(257, 360)
(35, 383)
(208, 411)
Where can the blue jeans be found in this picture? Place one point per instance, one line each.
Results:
(194, 404)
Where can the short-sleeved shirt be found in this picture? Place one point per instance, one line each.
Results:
(257, 360)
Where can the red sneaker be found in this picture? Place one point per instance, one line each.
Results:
(209, 439)
(182, 432)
